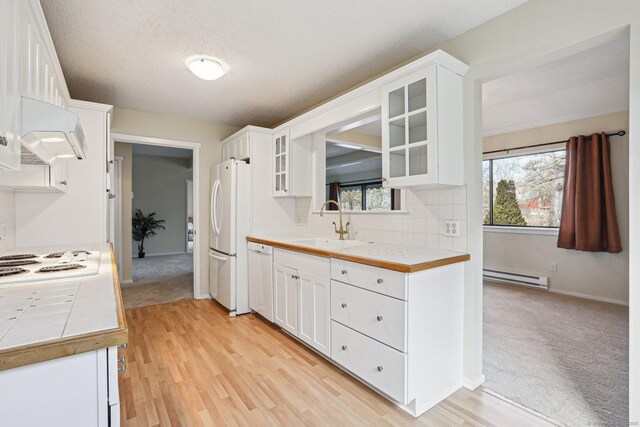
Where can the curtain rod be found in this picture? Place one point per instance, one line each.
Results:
(506, 150)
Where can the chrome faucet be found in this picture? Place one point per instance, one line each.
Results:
(342, 231)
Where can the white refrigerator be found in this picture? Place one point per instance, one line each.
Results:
(230, 223)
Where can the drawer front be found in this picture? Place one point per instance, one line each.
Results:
(377, 364)
(381, 280)
(313, 264)
(378, 316)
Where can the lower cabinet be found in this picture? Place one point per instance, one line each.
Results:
(302, 297)
(73, 391)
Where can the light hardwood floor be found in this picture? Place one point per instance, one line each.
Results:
(189, 364)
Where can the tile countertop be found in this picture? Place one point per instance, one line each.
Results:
(391, 257)
(48, 319)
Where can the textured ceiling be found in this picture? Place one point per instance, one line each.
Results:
(284, 56)
(591, 83)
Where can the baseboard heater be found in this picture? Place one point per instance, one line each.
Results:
(539, 282)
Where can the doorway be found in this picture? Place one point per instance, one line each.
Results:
(159, 181)
(555, 321)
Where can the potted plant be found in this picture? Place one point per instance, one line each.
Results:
(145, 226)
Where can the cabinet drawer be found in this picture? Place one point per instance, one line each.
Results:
(377, 364)
(313, 264)
(378, 316)
(381, 280)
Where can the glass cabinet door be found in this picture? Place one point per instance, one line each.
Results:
(280, 167)
(408, 129)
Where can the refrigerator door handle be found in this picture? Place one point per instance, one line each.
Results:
(218, 257)
(214, 206)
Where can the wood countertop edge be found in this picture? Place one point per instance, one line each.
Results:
(68, 346)
(404, 268)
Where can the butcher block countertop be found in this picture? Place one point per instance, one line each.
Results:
(390, 257)
(50, 319)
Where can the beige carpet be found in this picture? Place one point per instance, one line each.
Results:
(564, 357)
(159, 280)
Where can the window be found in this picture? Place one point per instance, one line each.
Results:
(524, 191)
(369, 196)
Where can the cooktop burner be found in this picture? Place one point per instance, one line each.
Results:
(60, 267)
(17, 256)
(18, 262)
(11, 271)
(59, 254)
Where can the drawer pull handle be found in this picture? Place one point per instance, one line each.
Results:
(344, 347)
(343, 305)
(379, 318)
(379, 368)
(379, 281)
(344, 272)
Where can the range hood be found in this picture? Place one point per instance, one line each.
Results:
(51, 132)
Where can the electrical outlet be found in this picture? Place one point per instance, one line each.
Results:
(299, 220)
(554, 267)
(451, 228)
(3, 231)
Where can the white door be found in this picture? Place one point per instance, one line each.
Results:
(222, 280)
(315, 316)
(223, 202)
(286, 298)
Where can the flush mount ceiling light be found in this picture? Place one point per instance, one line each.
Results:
(205, 67)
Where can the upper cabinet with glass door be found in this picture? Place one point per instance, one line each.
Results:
(291, 165)
(422, 129)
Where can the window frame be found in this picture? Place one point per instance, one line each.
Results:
(363, 189)
(494, 226)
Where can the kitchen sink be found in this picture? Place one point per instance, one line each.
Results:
(327, 243)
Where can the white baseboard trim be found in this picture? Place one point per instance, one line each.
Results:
(165, 253)
(591, 297)
(473, 384)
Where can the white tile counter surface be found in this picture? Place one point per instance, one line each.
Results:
(402, 256)
(33, 312)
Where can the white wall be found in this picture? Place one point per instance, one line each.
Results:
(421, 225)
(159, 185)
(601, 276)
(8, 218)
(79, 215)
(209, 135)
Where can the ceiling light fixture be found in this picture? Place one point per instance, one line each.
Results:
(205, 67)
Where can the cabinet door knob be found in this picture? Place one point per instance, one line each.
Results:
(379, 368)
(124, 346)
(344, 347)
(122, 368)
(379, 318)
(379, 281)
(343, 305)
(344, 272)
(63, 182)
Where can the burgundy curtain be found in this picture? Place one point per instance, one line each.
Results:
(334, 193)
(588, 210)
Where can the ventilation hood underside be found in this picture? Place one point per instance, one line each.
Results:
(51, 132)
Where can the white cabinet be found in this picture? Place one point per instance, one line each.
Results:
(286, 298)
(28, 67)
(302, 297)
(10, 12)
(315, 320)
(73, 391)
(292, 165)
(36, 178)
(422, 129)
(238, 148)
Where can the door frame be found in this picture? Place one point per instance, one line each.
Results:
(195, 147)
(117, 214)
(189, 192)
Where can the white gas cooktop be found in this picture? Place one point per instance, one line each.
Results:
(32, 266)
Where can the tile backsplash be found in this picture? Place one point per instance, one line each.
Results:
(422, 225)
(7, 217)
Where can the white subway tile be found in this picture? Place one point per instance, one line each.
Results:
(418, 211)
(433, 226)
(407, 225)
(432, 241)
(431, 197)
(445, 212)
(459, 244)
(407, 239)
(459, 212)
(459, 196)
(445, 243)
(420, 240)
(445, 197)
(419, 225)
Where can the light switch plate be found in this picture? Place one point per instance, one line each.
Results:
(3, 231)
(451, 228)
